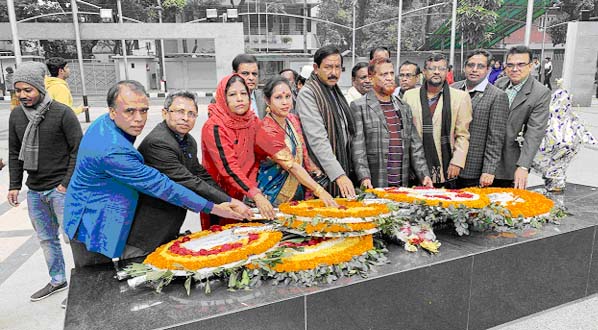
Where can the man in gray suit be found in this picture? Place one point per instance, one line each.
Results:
(487, 128)
(247, 67)
(386, 147)
(527, 120)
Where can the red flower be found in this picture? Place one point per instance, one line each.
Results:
(215, 228)
(294, 203)
(342, 207)
(253, 236)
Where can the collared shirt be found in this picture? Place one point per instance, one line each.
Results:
(481, 87)
(512, 90)
(394, 166)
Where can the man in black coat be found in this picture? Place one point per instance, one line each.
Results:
(171, 150)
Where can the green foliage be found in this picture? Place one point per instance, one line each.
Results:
(473, 18)
(568, 10)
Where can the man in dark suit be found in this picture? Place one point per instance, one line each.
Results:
(487, 128)
(247, 67)
(171, 150)
(527, 120)
(386, 147)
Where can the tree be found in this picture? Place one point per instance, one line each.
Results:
(567, 10)
(474, 16)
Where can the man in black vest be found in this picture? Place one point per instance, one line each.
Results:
(171, 150)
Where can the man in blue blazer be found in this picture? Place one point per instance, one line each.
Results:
(103, 192)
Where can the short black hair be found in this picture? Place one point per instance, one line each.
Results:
(435, 57)
(521, 49)
(295, 73)
(243, 58)
(358, 67)
(54, 65)
(479, 51)
(272, 83)
(181, 93)
(417, 68)
(375, 49)
(324, 52)
(114, 90)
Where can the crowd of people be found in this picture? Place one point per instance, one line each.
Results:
(297, 137)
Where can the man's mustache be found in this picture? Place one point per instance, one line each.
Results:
(332, 77)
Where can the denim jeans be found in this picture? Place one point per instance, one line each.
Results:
(46, 209)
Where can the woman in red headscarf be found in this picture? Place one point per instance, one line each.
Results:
(227, 144)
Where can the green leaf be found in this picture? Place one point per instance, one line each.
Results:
(188, 284)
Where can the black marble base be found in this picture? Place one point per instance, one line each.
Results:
(475, 282)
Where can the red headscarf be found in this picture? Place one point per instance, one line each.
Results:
(221, 110)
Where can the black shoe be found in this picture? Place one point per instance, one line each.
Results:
(63, 303)
(48, 290)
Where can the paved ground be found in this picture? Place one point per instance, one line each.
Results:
(23, 271)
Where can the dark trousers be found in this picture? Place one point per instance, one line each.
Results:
(502, 183)
(466, 183)
(547, 81)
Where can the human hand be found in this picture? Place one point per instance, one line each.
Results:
(521, 178)
(427, 182)
(367, 183)
(266, 209)
(61, 188)
(241, 208)
(2, 163)
(225, 210)
(346, 187)
(486, 180)
(452, 171)
(13, 197)
(328, 199)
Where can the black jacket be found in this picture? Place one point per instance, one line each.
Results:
(157, 222)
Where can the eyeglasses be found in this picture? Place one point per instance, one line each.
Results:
(434, 68)
(519, 66)
(130, 112)
(407, 75)
(182, 113)
(480, 66)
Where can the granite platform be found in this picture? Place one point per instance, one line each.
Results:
(474, 282)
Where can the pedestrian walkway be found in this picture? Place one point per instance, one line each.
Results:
(23, 270)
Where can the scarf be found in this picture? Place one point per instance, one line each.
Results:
(220, 109)
(430, 151)
(333, 106)
(29, 152)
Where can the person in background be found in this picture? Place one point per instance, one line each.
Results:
(527, 121)
(280, 142)
(327, 122)
(537, 68)
(487, 129)
(386, 147)
(305, 73)
(56, 84)
(43, 139)
(170, 149)
(379, 52)
(547, 73)
(109, 175)
(247, 67)
(450, 78)
(292, 76)
(409, 74)
(360, 80)
(228, 141)
(496, 72)
(10, 88)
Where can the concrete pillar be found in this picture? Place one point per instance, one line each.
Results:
(579, 67)
(226, 47)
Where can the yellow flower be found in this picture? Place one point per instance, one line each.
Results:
(315, 207)
(481, 202)
(430, 246)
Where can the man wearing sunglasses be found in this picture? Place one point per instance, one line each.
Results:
(527, 119)
(170, 149)
(487, 129)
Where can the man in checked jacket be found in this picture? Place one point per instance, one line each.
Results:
(488, 126)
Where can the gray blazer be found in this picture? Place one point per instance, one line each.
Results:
(261, 103)
(370, 144)
(487, 131)
(528, 114)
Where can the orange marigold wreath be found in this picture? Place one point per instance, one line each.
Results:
(532, 204)
(474, 197)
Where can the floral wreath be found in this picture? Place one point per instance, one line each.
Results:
(469, 197)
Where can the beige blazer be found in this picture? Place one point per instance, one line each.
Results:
(460, 119)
